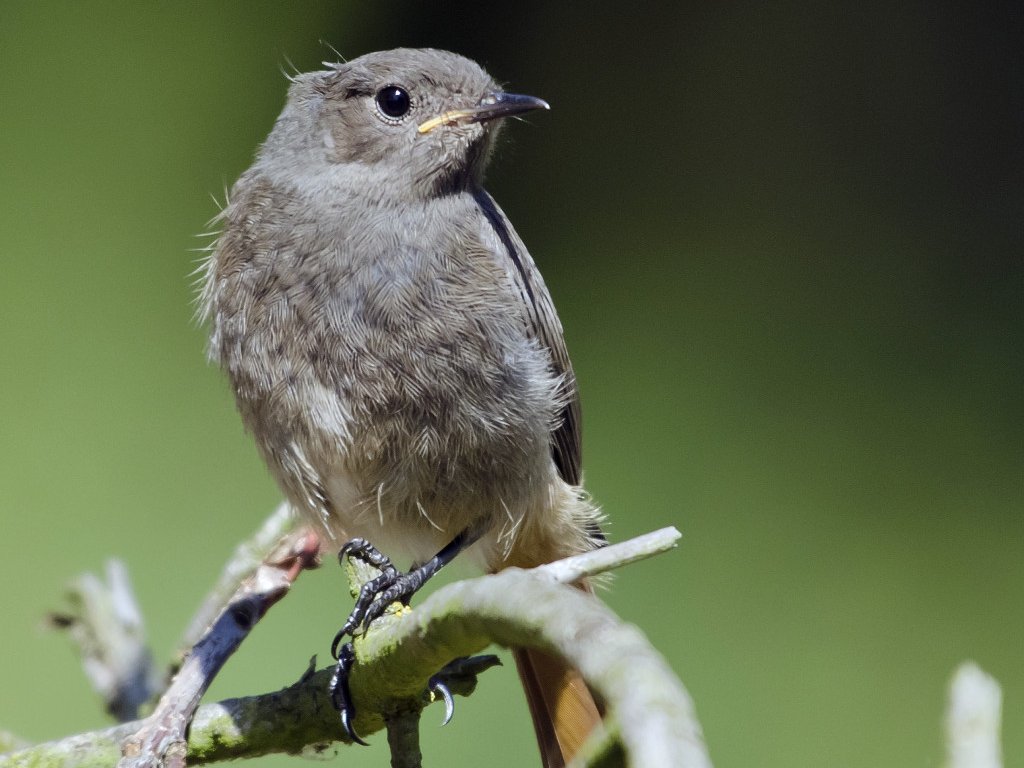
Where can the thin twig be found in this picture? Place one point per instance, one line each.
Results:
(569, 570)
(247, 557)
(105, 622)
(161, 740)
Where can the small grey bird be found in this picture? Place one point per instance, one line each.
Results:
(391, 344)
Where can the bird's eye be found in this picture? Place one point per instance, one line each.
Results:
(393, 102)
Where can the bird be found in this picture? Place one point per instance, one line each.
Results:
(392, 346)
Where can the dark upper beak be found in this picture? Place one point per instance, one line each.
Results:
(501, 104)
(490, 107)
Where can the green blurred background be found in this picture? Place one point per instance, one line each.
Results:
(786, 241)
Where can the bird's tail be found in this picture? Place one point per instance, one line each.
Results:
(563, 708)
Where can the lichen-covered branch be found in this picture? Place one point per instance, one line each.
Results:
(652, 711)
(284, 721)
(396, 659)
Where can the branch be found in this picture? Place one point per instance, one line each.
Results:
(299, 719)
(161, 739)
(575, 568)
(284, 721)
(402, 651)
(247, 557)
(654, 713)
(104, 621)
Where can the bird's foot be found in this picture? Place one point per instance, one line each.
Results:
(458, 676)
(378, 593)
(373, 599)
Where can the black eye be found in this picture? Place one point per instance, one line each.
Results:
(393, 101)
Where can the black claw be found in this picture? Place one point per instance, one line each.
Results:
(369, 554)
(347, 725)
(336, 643)
(440, 688)
(340, 695)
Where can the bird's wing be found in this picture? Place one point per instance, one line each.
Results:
(566, 444)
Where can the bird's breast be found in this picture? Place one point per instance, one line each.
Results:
(390, 347)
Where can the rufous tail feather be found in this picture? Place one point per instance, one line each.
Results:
(563, 709)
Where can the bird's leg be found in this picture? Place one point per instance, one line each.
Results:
(374, 598)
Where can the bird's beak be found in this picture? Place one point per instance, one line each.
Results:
(491, 107)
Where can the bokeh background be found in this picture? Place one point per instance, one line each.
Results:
(786, 241)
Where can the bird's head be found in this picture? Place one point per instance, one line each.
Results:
(401, 123)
